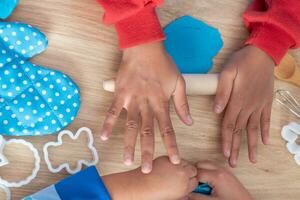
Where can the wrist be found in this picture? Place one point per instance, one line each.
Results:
(124, 186)
(260, 55)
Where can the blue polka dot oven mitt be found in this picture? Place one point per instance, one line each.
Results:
(33, 100)
(7, 7)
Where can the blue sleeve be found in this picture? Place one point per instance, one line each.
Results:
(86, 184)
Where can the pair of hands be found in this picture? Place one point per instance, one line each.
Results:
(148, 80)
(170, 182)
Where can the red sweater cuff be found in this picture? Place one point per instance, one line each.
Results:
(272, 40)
(140, 28)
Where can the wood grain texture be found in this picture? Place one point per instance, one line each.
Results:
(80, 46)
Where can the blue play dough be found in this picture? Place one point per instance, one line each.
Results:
(7, 7)
(192, 44)
(203, 188)
(33, 100)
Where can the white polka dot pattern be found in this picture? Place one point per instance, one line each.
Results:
(33, 100)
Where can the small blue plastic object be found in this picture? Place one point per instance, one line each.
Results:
(192, 44)
(7, 7)
(203, 188)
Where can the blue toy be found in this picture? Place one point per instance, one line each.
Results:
(203, 188)
(33, 100)
(192, 44)
(7, 7)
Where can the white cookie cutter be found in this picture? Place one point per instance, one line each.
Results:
(36, 164)
(290, 133)
(7, 191)
(3, 159)
(80, 163)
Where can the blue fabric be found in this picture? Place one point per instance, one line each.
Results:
(48, 193)
(33, 100)
(86, 184)
(7, 7)
(203, 188)
(192, 44)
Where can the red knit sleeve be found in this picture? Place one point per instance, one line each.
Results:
(274, 26)
(135, 21)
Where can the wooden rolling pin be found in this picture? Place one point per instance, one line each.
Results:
(206, 84)
(196, 84)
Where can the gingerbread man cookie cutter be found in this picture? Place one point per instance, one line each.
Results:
(79, 163)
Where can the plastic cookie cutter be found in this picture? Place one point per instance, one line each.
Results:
(7, 192)
(286, 99)
(34, 170)
(3, 159)
(290, 133)
(79, 163)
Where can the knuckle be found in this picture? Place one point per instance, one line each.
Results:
(168, 131)
(112, 112)
(237, 131)
(253, 127)
(229, 126)
(147, 132)
(132, 125)
(267, 120)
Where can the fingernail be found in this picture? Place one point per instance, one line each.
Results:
(218, 109)
(175, 159)
(104, 137)
(253, 159)
(146, 168)
(227, 153)
(267, 141)
(189, 120)
(233, 163)
(127, 160)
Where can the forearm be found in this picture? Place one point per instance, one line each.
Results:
(274, 26)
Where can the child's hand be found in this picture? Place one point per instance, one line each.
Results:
(225, 185)
(165, 182)
(245, 89)
(146, 81)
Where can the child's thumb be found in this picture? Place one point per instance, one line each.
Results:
(224, 90)
(181, 102)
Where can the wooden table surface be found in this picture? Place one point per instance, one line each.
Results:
(80, 46)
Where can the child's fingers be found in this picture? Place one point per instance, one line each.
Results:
(111, 118)
(228, 127)
(224, 90)
(265, 123)
(191, 170)
(181, 102)
(207, 176)
(131, 133)
(252, 135)
(236, 139)
(147, 139)
(167, 132)
(195, 196)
